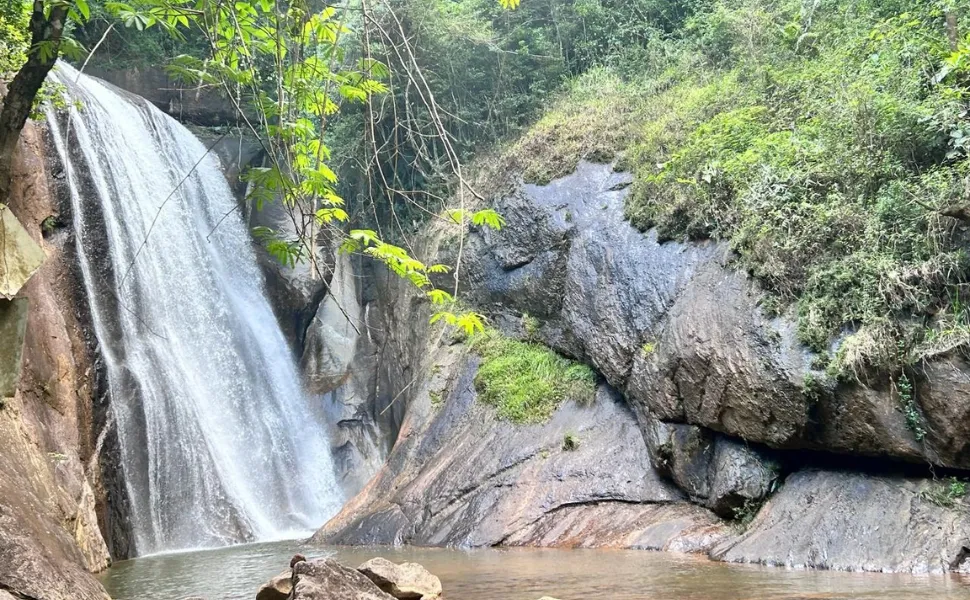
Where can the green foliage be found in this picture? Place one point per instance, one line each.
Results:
(49, 224)
(819, 140)
(14, 38)
(527, 382)
(907, 400)
(531, 327)
(745, 514)
(946, 493)
(570, 442)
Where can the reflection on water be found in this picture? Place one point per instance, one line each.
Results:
(522, 574)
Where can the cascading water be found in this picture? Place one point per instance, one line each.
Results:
(219, 444)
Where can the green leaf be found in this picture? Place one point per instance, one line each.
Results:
(83, 8)
(328, 215)
(489, 218)
(440, 297)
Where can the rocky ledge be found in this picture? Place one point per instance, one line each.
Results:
(704, 435)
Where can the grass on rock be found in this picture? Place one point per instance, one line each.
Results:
(527, 382)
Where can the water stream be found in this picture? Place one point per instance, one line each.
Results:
(525, 574)
(218, 442)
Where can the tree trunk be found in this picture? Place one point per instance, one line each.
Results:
(45, 42)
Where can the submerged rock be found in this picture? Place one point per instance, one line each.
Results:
(405, 581)
(325, 579)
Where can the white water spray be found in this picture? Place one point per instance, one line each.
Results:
(219, 444)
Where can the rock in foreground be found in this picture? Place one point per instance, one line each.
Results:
(406, 581)
(277, 588)
(325, 579)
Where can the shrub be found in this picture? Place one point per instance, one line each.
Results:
(526, 382)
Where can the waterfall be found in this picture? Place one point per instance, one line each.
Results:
(218, 441)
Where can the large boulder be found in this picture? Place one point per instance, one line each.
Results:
(405, 581)
(850, 521)
(715, 471)
(680, 331)
(325, 579)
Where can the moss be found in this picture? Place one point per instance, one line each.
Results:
(527, 382)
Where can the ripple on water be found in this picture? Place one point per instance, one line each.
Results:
(235, 573)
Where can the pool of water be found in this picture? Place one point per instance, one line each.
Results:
(235, 573)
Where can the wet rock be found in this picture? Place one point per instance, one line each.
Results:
(324, 579)
(943, 395)
(460, 477)
(681, 453)
(680, 332)
(331, 338)
(740, 476)
(851, 521)
(405, 581)
(49, 534)
(715, 471)
(277, 588)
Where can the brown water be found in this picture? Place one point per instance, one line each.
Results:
(236, 573)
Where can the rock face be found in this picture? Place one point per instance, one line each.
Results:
(49, 534)
(852, 522)
(13, 328)
(405, 581)
(201, 106)
(331, 339)
(459, 477)
(707, 410)
(680, 332)
(324, 579)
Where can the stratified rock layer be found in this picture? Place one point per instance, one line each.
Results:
(707, 405)
(49, 534)
(852, 522)
(459, 477)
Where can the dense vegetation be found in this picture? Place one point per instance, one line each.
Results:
(825, 141)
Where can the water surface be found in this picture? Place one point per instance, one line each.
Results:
(236, 573)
